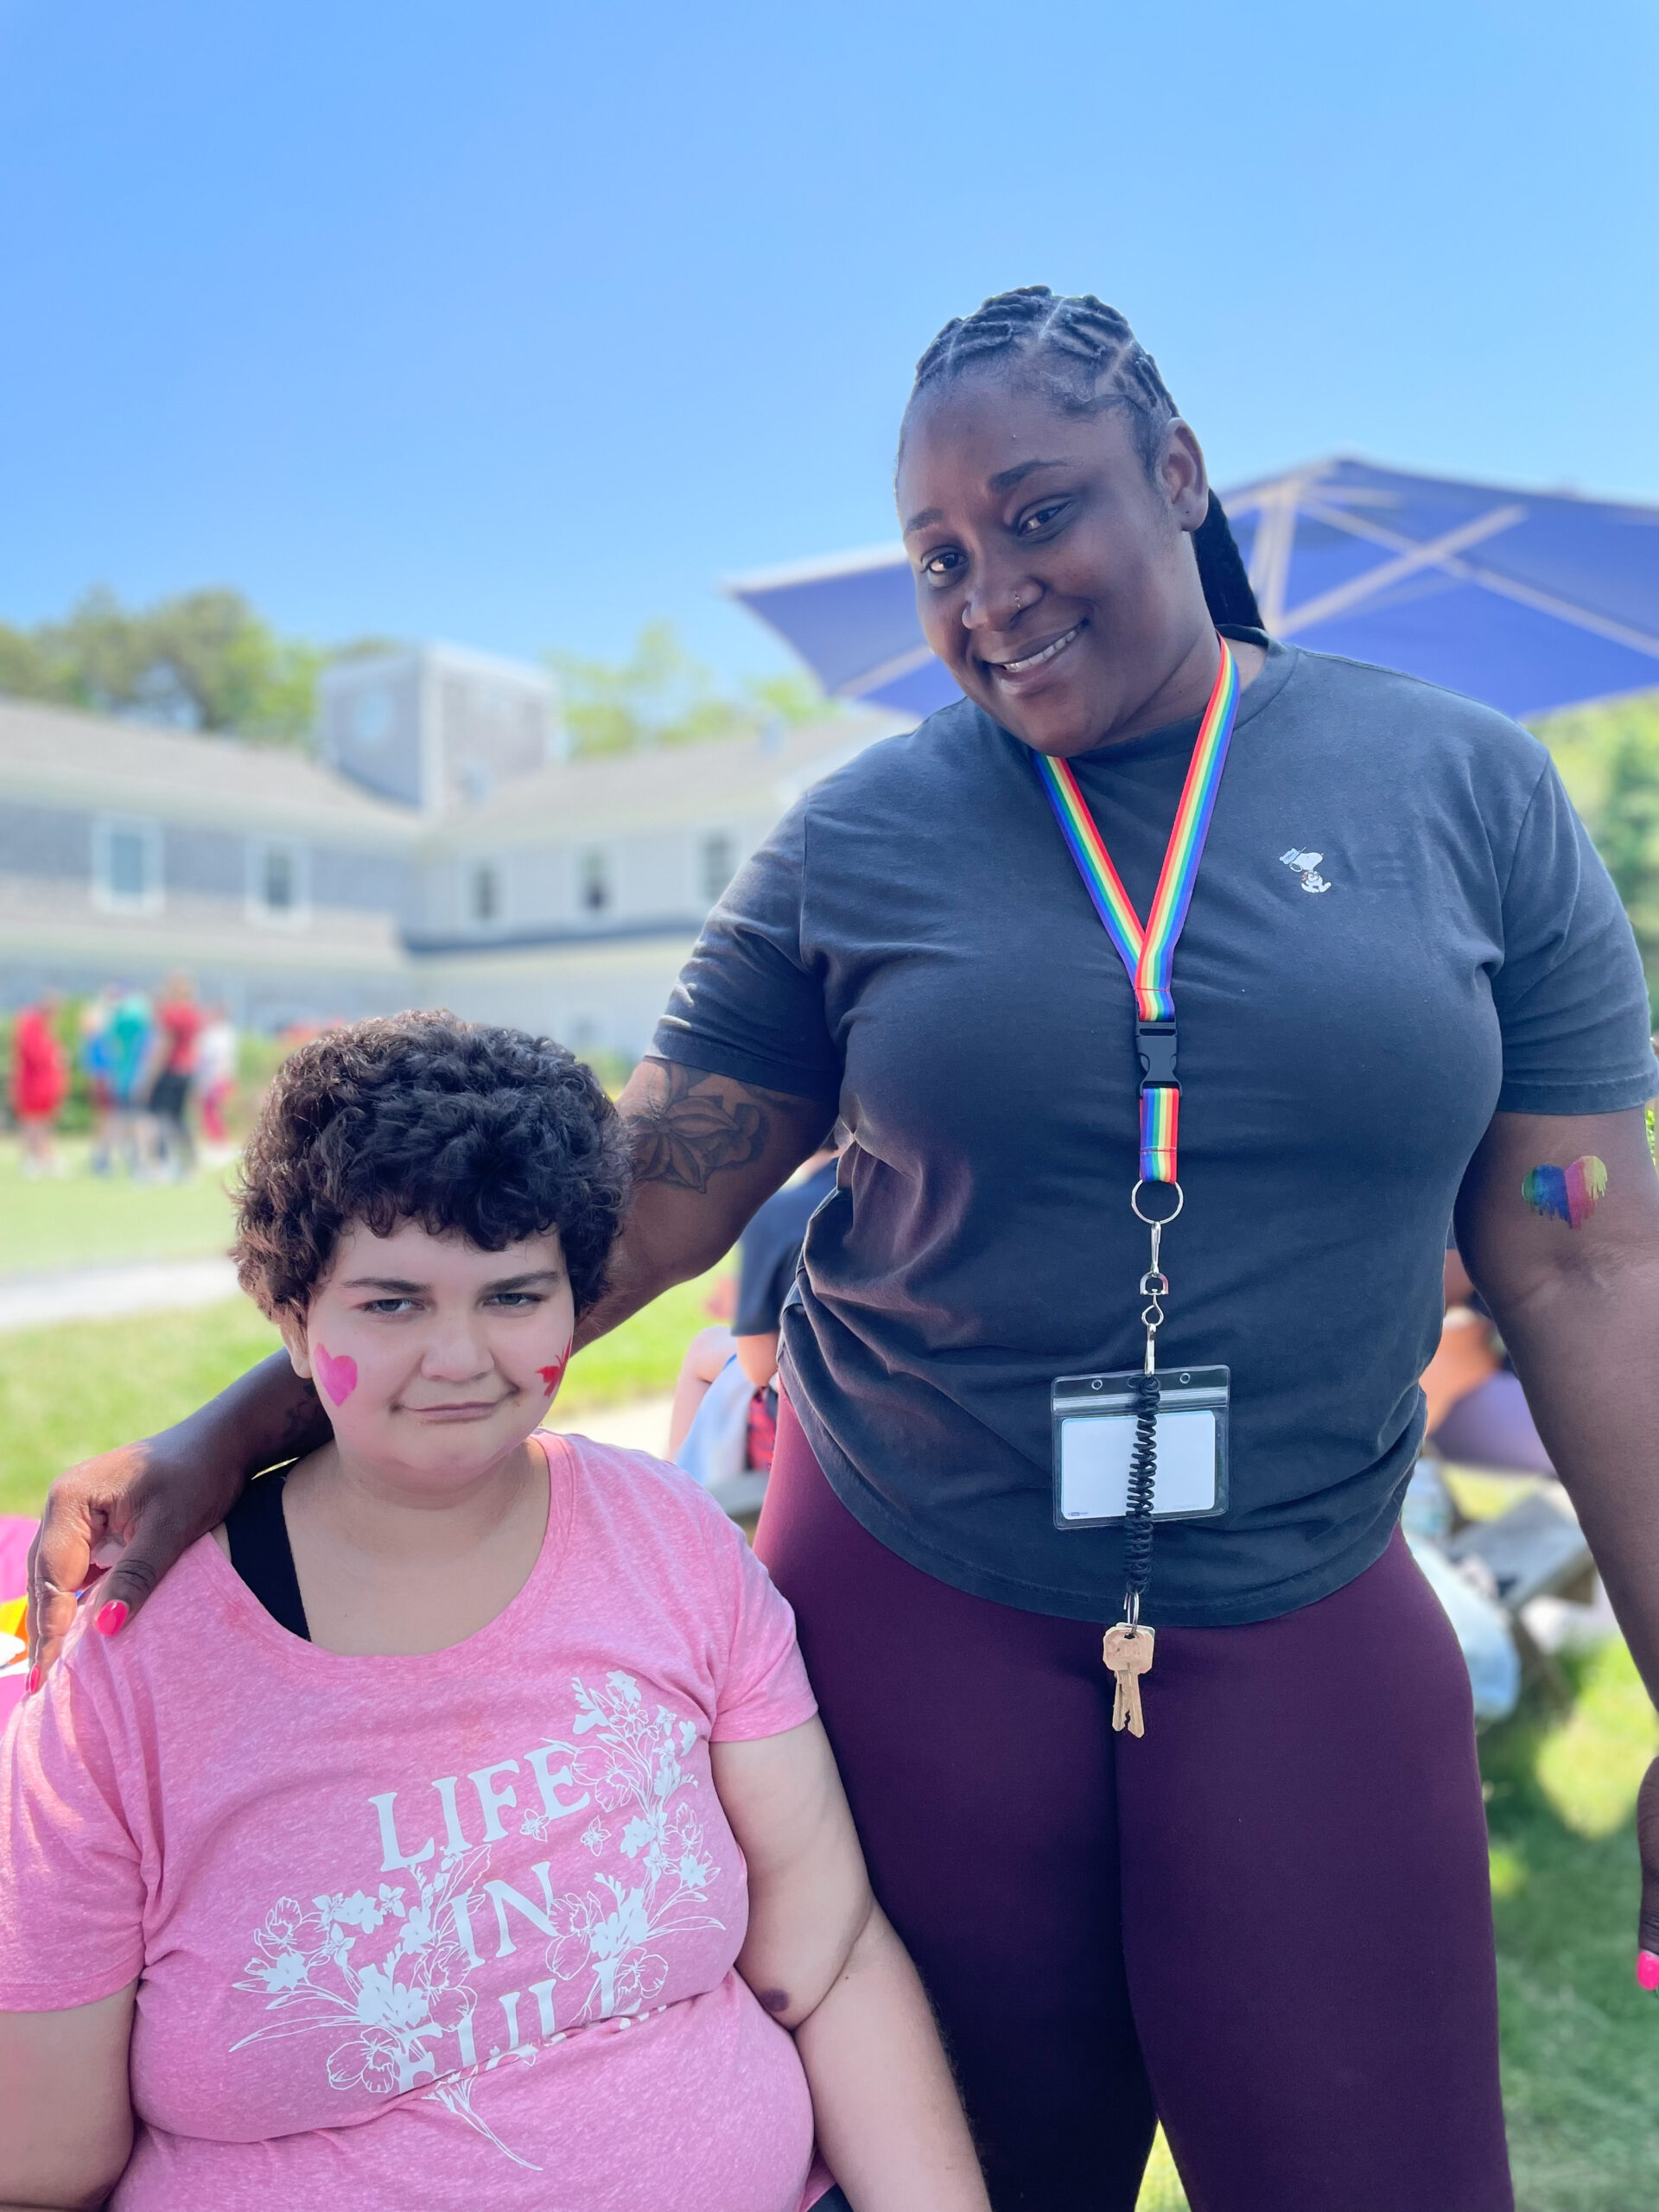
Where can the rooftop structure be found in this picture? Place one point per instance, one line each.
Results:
(441, 852)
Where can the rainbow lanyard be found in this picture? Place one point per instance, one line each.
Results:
(1148, 955)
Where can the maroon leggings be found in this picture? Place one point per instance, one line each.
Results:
(1266, 1922)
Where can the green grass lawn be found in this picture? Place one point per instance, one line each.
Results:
(1580, 2041)
(69, 1391)
(80, 1220)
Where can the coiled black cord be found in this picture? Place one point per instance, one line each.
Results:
(1143, 1475)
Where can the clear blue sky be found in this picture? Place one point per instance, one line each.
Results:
(519, 322)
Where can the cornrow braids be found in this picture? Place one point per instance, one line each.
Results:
(1080, 349)
(1085, 357)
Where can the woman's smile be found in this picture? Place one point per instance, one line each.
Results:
(1034, 663)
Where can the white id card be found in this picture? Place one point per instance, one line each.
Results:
(1094, 1418)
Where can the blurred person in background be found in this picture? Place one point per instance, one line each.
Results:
(127, 1046)
(215, 1076)
(40, 1083)
(179, 1022)
(1476, 1412)
(769, 1256)
(724, 1422)
(101, 1090)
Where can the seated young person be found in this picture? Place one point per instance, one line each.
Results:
(453, 1826)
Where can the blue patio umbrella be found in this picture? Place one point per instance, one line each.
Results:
(1527, 600)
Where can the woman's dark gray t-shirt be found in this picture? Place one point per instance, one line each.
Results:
(1400, 926)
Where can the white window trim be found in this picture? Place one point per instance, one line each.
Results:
(470, 919)
(105, 898)
(296, 917)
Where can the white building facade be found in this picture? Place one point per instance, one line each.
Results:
(442, 849)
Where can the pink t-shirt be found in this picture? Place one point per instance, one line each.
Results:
(456, 1929)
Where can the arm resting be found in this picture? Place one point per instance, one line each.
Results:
(822, 1958)
(758, 1356)
(66, 2120)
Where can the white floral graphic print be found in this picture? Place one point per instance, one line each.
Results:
(631, 1764)
(391, 1972)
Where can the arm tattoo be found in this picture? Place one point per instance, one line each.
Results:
(687, 1133)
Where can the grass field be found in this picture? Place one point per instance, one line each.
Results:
(1580, 2041)
(69, 1391)
(88, 1220)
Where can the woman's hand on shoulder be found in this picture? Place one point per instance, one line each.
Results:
(150, 1501)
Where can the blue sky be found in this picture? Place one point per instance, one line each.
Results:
(520, 322)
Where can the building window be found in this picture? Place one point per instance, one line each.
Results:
(718, 858)
(127, 865)
(484, 902)
(277, 887)
(373, 711)
(593, 890)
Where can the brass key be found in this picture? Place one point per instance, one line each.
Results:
(1127, 1652)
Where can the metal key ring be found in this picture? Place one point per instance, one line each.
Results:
(1152, 1220)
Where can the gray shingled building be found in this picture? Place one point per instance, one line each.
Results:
(440, 851)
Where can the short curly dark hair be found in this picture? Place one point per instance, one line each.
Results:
(421, 1117)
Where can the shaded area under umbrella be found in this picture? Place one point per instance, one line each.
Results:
(1529, 600)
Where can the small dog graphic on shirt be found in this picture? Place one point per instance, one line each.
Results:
(1308, 864)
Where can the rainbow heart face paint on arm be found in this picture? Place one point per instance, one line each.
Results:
(1569, 1194)
(337, 1377)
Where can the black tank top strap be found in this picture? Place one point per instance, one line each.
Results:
(262, 1555)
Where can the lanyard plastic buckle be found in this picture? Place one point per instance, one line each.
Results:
(1155, 1042)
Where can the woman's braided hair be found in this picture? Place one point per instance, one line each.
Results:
(1083, 357)
(1081, 351)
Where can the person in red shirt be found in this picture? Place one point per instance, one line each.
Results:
(178, 1022)
(40, 1084)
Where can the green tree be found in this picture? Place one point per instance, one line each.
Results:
(661, 696)
(199, 660)
(1608, 755)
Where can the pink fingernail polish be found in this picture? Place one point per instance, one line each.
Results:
(110, 1617)
(33, 1683)
(1647, 1970)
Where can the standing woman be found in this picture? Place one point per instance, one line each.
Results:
(1404, 985)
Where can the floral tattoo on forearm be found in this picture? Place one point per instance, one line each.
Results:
(694, 1127)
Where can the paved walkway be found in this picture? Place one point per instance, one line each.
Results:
(38, 1301)
(641, 1425)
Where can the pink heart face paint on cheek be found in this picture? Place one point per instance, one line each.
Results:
(337, 1377)
(553, 1375)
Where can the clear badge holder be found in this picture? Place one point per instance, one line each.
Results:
(1094, 1419)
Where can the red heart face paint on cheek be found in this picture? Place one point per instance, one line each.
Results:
(337, 1377)
(552, 1377)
